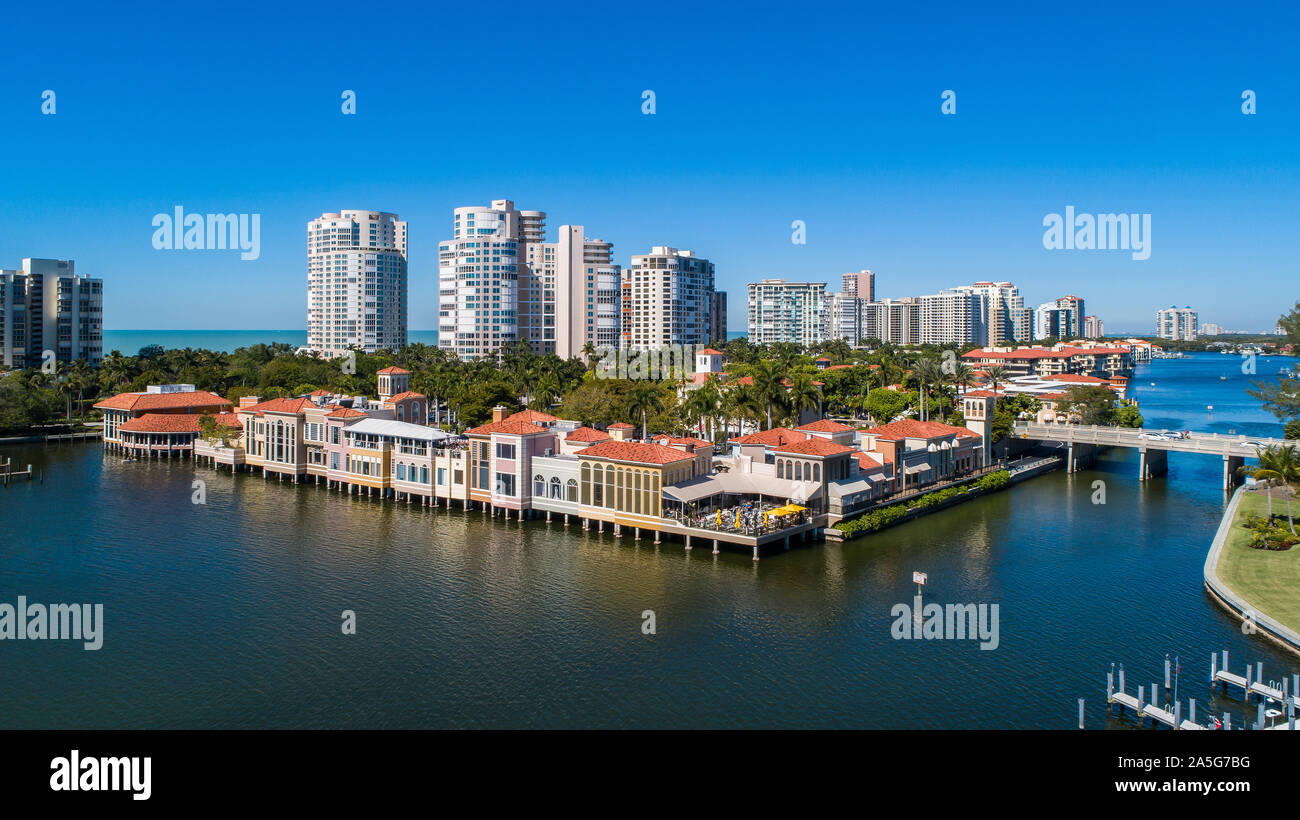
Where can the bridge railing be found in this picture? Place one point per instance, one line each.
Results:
(1096, 434)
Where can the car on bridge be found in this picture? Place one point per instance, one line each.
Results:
(1156, 436)
(1255, 445)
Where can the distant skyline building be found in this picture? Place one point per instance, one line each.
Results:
(842, 318)
(954, 316)
(356, 282)
(668, 299)
(861, 285)
(1093, 327)
(1001, 308)
(1211, 329)
(480, 270)
(582, 288)
(1176, 324)
(46, 306)
(718, 316)
(781, 311)
(1074, 305)
(893, 321)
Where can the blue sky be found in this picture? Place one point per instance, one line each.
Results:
(824, 113)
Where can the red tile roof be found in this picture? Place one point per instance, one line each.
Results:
(393, 370)
(1075, 377)
(409, 394)
(867, 463)
(174, 422)
(279, 406)
(587, 434)
(622, 425)
(516, 427)
(708, 351)
(813, 447)
(319, 393)
(162, 423)
(698, 442)
(345, 413)
(825, 426)
(911, 428)
(144, 402)
(531, 416)
(771, 438)
(635, 451)
(1019, 353)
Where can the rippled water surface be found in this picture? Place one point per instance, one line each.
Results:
(228, 614)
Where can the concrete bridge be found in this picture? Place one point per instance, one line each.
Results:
(1082, 442)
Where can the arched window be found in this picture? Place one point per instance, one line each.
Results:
(637, 498)
(555, 486)
(798, 471)
(539, 486)
(586, 484)
(817, 471)
(610, 499)
(573, 489)
(780, 469)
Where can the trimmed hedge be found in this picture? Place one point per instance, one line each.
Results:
(883, 517)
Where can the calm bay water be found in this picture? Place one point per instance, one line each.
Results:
(227, 614)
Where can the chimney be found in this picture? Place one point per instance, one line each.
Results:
(498, 413)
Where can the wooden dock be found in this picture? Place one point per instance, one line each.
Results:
(1145, 709)
(1286, 692)
(8, 473)
(1275, 701)
(97, 434)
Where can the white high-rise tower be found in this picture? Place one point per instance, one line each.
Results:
(356, 282)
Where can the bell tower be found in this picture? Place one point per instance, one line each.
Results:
(392, 381)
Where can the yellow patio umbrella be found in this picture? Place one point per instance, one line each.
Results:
(737, 519)
(718, 518)
(794, 508)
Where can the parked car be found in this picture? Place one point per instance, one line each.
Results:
(1155, 436)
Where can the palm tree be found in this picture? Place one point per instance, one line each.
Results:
(963, 374)
(928, 372)
(768, 386)
(997, 374)
(804, 393)
(644, 399)
(1277, 465)
(547, 391)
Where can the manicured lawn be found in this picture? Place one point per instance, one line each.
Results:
(1268, 580)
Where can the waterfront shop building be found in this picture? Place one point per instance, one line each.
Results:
(157, 400)
(925, 452)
